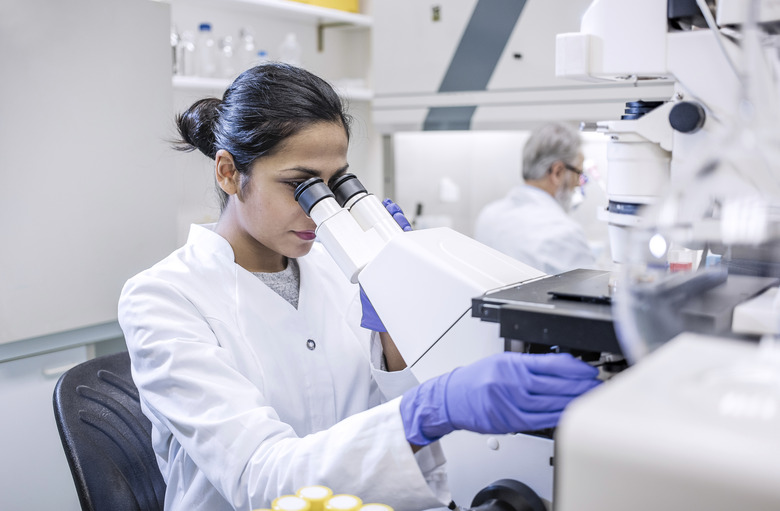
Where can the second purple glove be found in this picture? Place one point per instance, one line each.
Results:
(370, 318)
(502, 393)
(395, 210)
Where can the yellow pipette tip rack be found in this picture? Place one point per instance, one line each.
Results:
(343, 502)
(290, 503)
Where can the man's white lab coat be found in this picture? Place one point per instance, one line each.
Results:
(529, 225)
(243, 410)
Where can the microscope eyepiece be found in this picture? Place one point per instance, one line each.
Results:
(345, 187)
(310, 192)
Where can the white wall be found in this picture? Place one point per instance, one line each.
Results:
(86, 195)
(87, 200)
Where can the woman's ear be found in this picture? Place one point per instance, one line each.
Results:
(227, 175)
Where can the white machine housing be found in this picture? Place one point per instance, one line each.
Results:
(645, 154)
(694, 424)
(422, 283)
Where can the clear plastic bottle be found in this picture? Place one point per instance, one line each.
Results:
(261, 58)
(227, 58)
(186, 56)
(207, 52)
(175, 38)
(290, 50)
(247, 51)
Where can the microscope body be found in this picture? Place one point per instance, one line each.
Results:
(421, 284)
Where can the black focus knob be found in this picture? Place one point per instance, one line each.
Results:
(636, 109)
(507, 495)
(687, 117)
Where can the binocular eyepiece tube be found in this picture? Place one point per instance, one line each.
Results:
(350, 194)
(347, 189)
(351, 223)
(342, 189)
(316, 199)
(310, 192)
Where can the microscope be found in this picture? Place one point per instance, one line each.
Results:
(693, 216)
(448, 301)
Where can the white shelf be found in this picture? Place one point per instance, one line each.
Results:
(219, 85)
(200, 84)
(294, 10)
(322, 17)
(355, 94)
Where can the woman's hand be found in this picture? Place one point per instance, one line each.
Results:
(503, 393)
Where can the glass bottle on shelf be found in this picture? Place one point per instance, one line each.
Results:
(175, 38)
(290, 50)
(247, 51)
(185, 55)
(227, 58)
(207, 52)
(261, 58)
(716, 223)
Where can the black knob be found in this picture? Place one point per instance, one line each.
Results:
(507, 495)
(636, 109)
(687, 117)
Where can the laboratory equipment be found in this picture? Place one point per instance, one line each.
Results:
(692, 426)
(290, 503)
(692, 216)
(316, 495)
(421, 284)
(660, 143)
(694, 193)
(436, 272)
(343, 502)
(693, 187)
(693, 222)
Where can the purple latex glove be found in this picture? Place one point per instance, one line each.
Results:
(370, 318)
(502, 393)
(398, 215)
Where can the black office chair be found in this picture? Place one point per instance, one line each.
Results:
(106, 438)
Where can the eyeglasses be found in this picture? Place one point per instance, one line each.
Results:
(579, 172)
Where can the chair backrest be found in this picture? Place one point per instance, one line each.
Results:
(106, 438)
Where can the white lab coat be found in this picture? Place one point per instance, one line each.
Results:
(529, 225)
(242, 410)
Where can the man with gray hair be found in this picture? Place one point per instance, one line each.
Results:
(531, 223)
